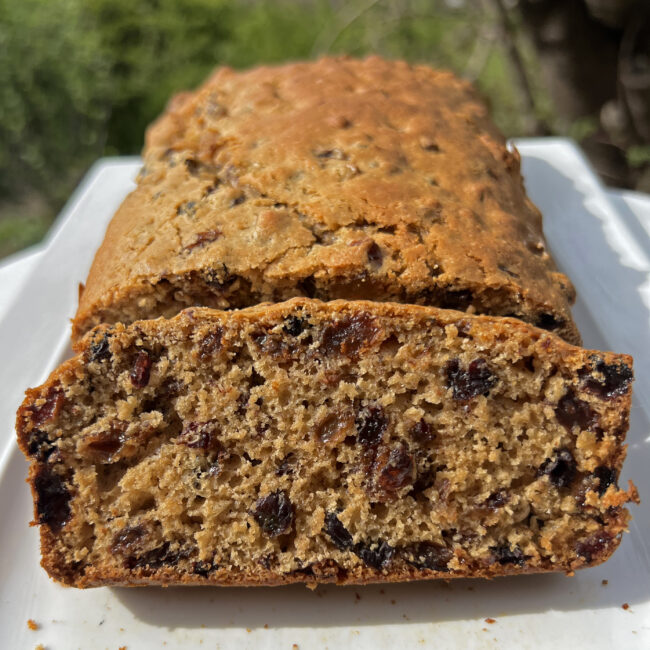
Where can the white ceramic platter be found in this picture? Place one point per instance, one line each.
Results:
(606, 252)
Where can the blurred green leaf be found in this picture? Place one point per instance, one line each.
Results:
(84, 78)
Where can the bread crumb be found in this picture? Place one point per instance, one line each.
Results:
(625, 606)
(604, 583)
(122, 647)
(266, 626)
(32, 624)
(392, 602)
(40, 646)
(357, 596)
(490, 620)
(294, 646)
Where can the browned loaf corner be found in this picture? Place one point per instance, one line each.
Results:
(336, 179)
(345, 442)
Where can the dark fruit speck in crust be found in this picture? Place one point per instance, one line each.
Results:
(141, 369)
(53, 499)
(503, 554)
(274, 513)
(425, 555)
(560, 470)
(50, 408)
(375, 554)
(467, 384)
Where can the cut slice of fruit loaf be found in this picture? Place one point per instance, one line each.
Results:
(312, 442)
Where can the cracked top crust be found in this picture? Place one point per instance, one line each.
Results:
(335, 179)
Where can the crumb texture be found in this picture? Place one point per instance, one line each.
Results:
(335, 179)
(313, 442)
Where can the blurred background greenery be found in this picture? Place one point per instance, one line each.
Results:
(82, 78)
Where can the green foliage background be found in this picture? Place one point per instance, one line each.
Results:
(83, 78)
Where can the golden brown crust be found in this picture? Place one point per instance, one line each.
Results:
(335, 179)
(588, 524)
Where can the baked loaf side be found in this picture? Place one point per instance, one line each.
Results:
(336, 179)
(311, 442)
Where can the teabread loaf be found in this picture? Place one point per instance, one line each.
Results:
(345, 442)
(336, 179)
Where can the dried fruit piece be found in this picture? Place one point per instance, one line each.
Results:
(141, 369)
(129, 538)
(467, 384)
(371, 423)
(504, 554)
(203, 238)
(610, 380)
(426, 555)
(211, 343)
(497, 499)
(106, 444)
(394, 469)
(274, 513)
(572, 411)
(53, 499)
(335, 426)
(349, 335)
(606, 476)
(203, 568)
(286, 467)
(377, 554)
(100, 349)
(593, 546)
(560, 470)
(337, 532)
(422, 432)
(50, 408)
(39, 445)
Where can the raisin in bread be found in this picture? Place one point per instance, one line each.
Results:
(310, 442)
(336, 179)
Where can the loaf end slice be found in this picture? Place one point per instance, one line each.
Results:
(335, 179)
(345, 442)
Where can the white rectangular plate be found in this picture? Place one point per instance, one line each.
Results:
(607, 255)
